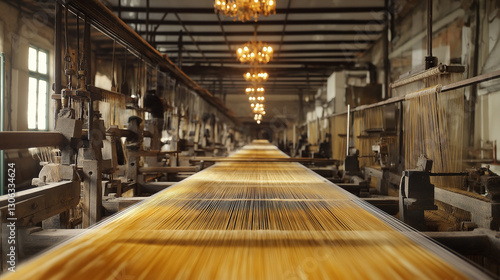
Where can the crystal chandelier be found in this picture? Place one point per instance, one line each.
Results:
(252, 99)
(254, 90)
(256, 76)
(258, 108)
(258, 118)
(245, 9)
(255, 52)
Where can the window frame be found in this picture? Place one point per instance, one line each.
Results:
(40, 77)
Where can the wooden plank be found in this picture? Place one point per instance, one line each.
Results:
(40, 203)
(92, 193)
(30, 139)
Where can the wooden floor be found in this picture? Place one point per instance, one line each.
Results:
(250, 220)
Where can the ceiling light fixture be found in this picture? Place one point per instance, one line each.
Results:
(256, 76)
(254, 90)
(244, 10)
(258, 108)
(255, 52)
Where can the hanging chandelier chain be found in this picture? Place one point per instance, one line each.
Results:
(253, 52)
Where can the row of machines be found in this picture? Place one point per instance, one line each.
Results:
(91, 168)
(254, 215)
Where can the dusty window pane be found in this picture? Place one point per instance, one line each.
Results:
(42, 62)
(32, 103)
(32, 60)
(42, 105)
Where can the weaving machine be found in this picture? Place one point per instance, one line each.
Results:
(235, 220)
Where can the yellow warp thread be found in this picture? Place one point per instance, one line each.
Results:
(240, 220)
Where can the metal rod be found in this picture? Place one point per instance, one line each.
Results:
(2, 105)
(88, 77)
(386, 51)
(87, 52)
(475, 72)
(429, 28)
(147, 20)
(448, 174)
(495, 153)
(179, 50)
(348, 115)
(113, 82)
(430, 61)
(472, 81)
(450, 87)
(77, 50)
(401, 136)
(120, 8)
(446, 88)
(58, 59)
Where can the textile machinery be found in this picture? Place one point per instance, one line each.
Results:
(247, 220)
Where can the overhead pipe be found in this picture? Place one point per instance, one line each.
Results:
(430, 61)
(385, 42)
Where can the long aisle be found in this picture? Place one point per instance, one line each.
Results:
(240, 220)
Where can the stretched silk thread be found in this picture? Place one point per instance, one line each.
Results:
(338, 126)
(236, 220)
(365, 121)
(434, 126)
(433, 122)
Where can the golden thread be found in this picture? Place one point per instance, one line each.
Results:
(247, 221)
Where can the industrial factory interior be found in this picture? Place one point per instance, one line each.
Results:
(249, 139)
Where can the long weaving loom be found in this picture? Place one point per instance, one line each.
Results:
(239, 220)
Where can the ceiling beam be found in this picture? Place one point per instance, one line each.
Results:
(316, 51)
(300, 72)
(300, 62)
(199, 70)
(193, 41)
(261, 22)
(273, 33)
(293, 90)
(322, 42)
(287, 77)
(103, 50)
(317, 10)
(276, 79)
(243, 85)
(220, 58)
